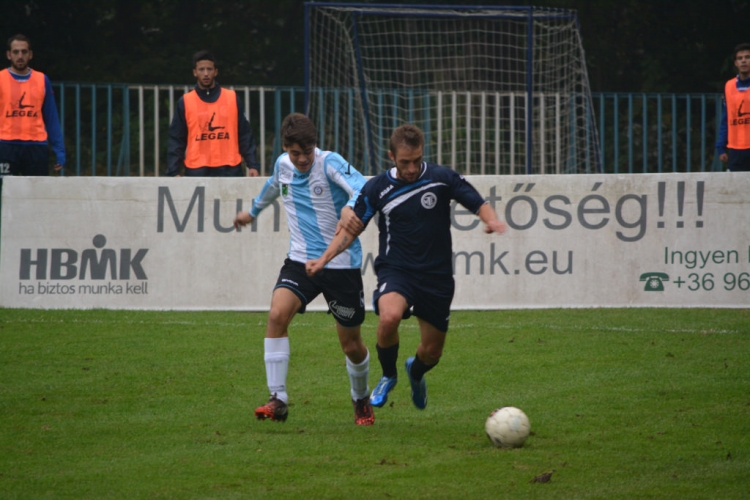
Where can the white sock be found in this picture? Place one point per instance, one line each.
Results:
(358, 377)
(277, 365)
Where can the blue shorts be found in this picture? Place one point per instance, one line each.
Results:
(428, 296)
(24, 159)
(342, 289)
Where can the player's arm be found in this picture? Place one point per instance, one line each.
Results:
(340, 242)
(243, 219)
(721, 141)
(267, 195)
(52, 124)
(248, 148)
(492, 224)
(350, 221)
(177, 142)
(351, 181)
(468, 196)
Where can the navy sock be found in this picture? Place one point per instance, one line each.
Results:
(388, 357)
(418, 368)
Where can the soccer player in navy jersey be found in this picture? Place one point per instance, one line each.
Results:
(414, 264)
(314, 186)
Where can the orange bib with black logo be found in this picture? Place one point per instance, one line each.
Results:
(21, 106)
(212, 131)
(738, 116)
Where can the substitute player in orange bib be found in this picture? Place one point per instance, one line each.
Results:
(210, 135)
(29, 122)
(733, 144)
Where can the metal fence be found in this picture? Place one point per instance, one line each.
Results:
(122, 130)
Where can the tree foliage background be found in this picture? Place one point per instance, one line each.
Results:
(630, 45)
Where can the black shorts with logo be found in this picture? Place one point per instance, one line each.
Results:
(429, 296)
(342, 289)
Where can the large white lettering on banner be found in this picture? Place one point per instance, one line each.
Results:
(573, 241)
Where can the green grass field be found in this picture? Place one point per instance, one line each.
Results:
(623, 403)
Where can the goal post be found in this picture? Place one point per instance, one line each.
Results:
(497, 90)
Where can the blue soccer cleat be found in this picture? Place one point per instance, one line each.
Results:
(418, 388)
(379, 395)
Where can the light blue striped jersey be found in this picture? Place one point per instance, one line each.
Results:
(313, 202)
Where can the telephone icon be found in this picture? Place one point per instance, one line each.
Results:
(654, 281)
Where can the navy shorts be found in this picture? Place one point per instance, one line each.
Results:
(428, 296)
(739, 160)
(225, 171)
(342, 289)
(24, 159)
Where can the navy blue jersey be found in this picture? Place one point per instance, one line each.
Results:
(414, 221)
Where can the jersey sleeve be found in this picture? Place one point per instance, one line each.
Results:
(268, 194)
(464, 193)
(344, 175)
(364, 206)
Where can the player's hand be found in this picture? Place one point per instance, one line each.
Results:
(242, 220)
(350, 222)
(495, 226)
(57, 167)
(724, 157)
(313, 267)
(251, 172)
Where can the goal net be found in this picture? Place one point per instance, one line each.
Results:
(497, 90)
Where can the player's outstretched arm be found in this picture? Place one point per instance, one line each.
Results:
(243, 219)
(492, 223)
(340, 242)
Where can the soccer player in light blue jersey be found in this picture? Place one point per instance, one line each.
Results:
(314, 186)
(414, 264)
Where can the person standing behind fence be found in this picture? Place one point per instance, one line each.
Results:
(29, 122)
(733, 144)
(209, 134)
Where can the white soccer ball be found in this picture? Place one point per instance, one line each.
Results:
(507, 427)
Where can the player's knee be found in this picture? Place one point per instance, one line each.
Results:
(432, 353)
(278, 317)
(354, 349)
(389, 319)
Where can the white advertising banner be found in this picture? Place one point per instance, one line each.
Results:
(667, 240)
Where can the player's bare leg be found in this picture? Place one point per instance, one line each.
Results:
(284, 305)
(391, 308)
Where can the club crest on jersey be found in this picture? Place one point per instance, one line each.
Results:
(429, 200)
(317, 190)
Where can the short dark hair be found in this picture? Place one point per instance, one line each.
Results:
(740, 48)
(203, 55)
(407, 134)
(298, 129)
(19, 38)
